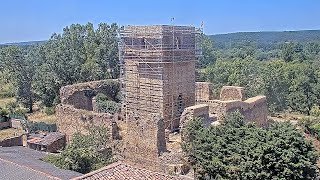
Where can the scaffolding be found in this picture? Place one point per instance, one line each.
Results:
(157, 70)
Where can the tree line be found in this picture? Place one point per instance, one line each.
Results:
(80, 53)
(289, 77)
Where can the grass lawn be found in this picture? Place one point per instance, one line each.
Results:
(42, 117)
(5, 101)
(10, 132)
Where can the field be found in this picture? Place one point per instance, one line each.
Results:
(5, 101)
(42, 117)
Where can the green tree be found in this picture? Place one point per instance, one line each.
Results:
(86, 152)
(81, 53)
(303, 91)
(292, 51)
(235, 150)
(22, 66)
(207, 52)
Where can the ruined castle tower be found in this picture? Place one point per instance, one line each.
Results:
(158, 70)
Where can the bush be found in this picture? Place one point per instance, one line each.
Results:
(235, 150)
(315, 111)
(86, 152)
(311, 126)
(4, 112)
(7, 91)
(49, 110)
(11, 106)
(106, 106)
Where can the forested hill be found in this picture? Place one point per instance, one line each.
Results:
(27, 43)
(261, 39)
(264, 39)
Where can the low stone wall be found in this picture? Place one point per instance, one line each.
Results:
(196, 111)
(14, 141)
(80, 95)
(71, 120)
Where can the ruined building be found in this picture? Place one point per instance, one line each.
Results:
(158, 70)
(232, 98)
(159, 95)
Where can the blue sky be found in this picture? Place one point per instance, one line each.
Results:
(26, 20)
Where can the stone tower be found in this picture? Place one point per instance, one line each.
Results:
(158, 70)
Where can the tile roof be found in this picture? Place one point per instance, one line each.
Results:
(123, 171)
(45, 139)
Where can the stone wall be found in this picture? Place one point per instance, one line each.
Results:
(257, 110)
(192, 112)
(71, 120)
(232, 93)
(16, 123)
(232, 98)
(14, 141)
(196, 111)
(80, 95)
(56, 145)
(253, 109)
(204, 91)
(144, 141)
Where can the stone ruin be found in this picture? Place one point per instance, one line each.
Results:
(158, 98)
(144, 141)
(76, 111)
(232, 98)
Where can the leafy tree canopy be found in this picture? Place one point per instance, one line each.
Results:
(235, 150)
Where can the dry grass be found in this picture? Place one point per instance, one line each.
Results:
(42, 117)
(5, 101)
(10, 132)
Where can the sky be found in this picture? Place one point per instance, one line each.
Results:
(30, 20)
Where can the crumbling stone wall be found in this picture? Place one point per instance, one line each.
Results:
(71, 120)
(81, 95)
(257, 110)
(192, 112)
(16, 123)
(232, 99)
(144, 141)
(204, 91)
(196, 111)
(232, 93)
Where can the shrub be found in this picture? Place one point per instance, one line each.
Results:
(315, 111)
(86, 152)
(11, 106)
(7, 91)
(4, 112)
(236, 150)
(106, 106)
(49, 110)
